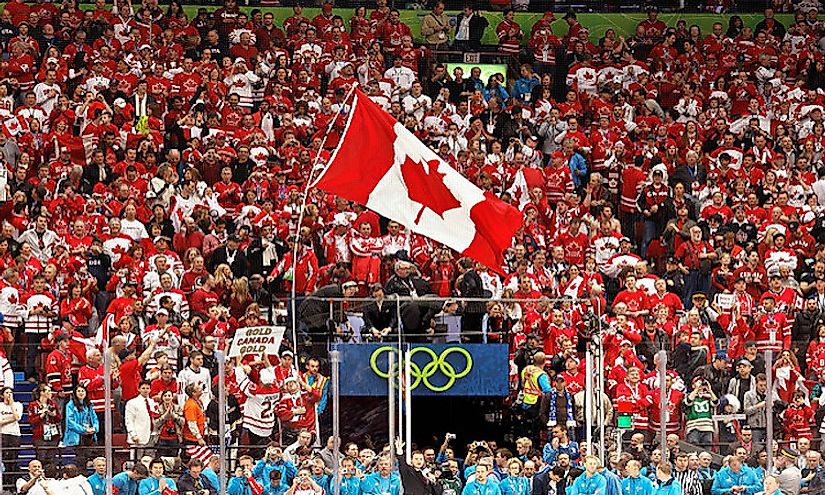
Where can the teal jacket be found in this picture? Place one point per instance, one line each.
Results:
(150, 486)
(374, 484)
(514, 485)
(594, 485)
(669, 487)
(726, 478)
(490, 487)
(637, 486)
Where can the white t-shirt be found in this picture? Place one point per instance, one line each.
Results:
(6, 412)
(134, 229)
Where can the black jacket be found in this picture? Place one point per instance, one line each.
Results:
(477, 26)
(684, 175)
(239, 265)
(186, 484)
(314, 310)
(414, 481)
(380, 318)
(403, 287)
(472, 286)
(804, 325)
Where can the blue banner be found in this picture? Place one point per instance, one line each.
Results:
(436, 369)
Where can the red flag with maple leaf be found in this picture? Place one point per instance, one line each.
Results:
(381, 164)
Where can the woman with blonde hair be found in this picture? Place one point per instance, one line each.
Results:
(240, 298)
(223, 281)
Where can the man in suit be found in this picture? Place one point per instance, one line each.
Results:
(96, 171)
(380, 315)
(231, 254)
(142, 100)
(537, 482)
(140, 413)
(470, 285)
(568, 473)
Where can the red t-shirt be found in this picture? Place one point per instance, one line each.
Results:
(129, 379)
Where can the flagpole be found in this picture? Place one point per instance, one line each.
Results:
(301, 220)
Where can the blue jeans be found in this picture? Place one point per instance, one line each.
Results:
(649, 235)
(700, 438)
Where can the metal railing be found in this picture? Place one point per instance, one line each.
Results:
(339, 310)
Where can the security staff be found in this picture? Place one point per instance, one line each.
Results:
(534, 383)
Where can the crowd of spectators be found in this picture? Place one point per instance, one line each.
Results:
(153, 171)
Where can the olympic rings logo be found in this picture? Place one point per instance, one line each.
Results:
(438, 362)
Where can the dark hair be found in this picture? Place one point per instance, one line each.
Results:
(78, 404)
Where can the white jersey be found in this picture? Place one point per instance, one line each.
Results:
(39, 323)
(259, 408)
(187, 376)
(6, 373)
(169, 343)
(10, 306)
(116, 247)
(178, 298)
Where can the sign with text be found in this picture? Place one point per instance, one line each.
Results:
(476, 370)
(256, 340)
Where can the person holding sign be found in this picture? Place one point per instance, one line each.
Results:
(258, 416)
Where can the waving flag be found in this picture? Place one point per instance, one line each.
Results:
(14, 126)
(382, 165)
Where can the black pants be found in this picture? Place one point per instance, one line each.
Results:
(257, 444)
(85, 451)
(168, 448)
(11, 453)
(45, 450)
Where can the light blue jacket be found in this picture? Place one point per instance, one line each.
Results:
(726, 478)
(211, 475)
(514, 485)
(238, 486)
(149, 486)
(490, 487)
(375, 484)
(577, 164)
(594, 485)
(525, 87)
(350, 485)
(98, 484)
(264, 467)
(637, 486)
(279, 490)
(77, 422)
(670, 487)
(499, 91)
(125, 485)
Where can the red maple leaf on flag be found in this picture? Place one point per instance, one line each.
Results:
(425, 185)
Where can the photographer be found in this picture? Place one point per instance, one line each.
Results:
(450, 480)
(193, 482)
(415, 477)
(350, 477)
(45, 418)
(700, 404)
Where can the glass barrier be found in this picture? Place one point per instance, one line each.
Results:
(178, 396)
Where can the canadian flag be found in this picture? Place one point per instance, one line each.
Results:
(525, 179)
(382, 165)
(14, 126)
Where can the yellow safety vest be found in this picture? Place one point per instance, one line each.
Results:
(531, 391)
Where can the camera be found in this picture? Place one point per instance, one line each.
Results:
(449, 437)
